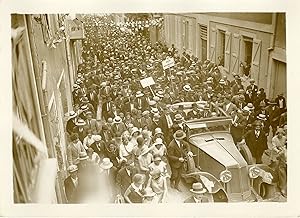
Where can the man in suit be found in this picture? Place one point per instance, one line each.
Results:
(166, 121)
(250, 95)
(93, 98)
(71, 182)
(92, 124)
(98, 146)
(138, 121)
(274, 112)
(178, 149)
(199, 194)
(140, 102)
(114, 111)
(125, 175)
(238, 126)
(281, 102)
(252, 86)
(240, 102)
(146, 119)
(118, 127)
(71, 123)
(106, 107)
(228, 106)
(256, 140)
(195, 113)
(126, 105)
(236, 97)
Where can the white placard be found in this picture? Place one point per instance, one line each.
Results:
(169, 62)
(147, 82)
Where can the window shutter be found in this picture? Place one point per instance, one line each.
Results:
(191, 36)
(227, 51)
(213, 41)
(255, 66)
(203, 32)
(235, 51)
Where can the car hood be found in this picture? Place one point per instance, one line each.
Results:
(220, 146)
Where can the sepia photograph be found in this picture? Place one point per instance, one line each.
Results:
(149, 108)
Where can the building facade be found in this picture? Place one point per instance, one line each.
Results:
(45, 55)
(237, 40)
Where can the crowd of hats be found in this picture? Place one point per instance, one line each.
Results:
(114, 62)
(139, 23)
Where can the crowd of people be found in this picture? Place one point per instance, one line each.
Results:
(129, 138)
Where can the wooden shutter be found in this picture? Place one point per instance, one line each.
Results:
(235, 51)
(213, 41)
(178, 32)
(203, 32)
(227, 51)
(191, 37)
(255, 66)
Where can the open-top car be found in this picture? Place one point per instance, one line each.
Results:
(225, 169)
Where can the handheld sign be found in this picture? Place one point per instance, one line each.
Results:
(169, 62)
(147, 82)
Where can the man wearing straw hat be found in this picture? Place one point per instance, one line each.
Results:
(140, 101)
(198, 196)
(257, 141)
(177, 151)
(71, 182)
(71, 123)
(118, 127)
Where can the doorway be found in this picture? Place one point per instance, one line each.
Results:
(221, 48)
(248, 50)
(246, 55)
(203, 49)
(279, 78)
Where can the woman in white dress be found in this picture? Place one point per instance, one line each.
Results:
(125, 151)
(158, 183)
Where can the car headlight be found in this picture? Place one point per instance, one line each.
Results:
(254, 172)
(225, 176)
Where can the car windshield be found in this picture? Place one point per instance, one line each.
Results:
(208, 125)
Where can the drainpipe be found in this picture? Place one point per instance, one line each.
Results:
(274, 23)
(270, 49)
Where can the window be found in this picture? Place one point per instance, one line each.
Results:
(203, 41)
(248, 44)
(221, 52)
(186, 34)
(204, 49)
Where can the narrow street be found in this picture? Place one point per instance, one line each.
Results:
(122, 102)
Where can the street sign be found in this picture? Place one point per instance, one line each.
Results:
(147, 82)
(169, 62)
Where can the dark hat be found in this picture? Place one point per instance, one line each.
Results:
(179, 134)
